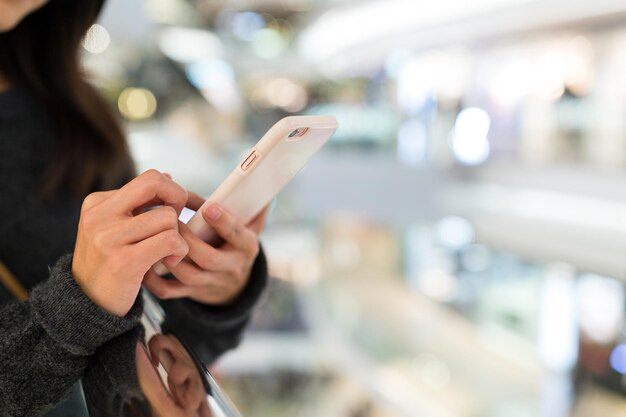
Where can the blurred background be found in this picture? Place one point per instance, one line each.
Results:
(458, 248)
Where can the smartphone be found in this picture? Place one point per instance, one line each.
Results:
(280, 154)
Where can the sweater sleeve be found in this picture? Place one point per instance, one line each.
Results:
(47, 341)
(212, 330)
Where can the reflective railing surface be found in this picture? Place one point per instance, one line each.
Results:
(164, 378)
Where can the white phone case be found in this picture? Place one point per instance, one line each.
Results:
(280, 154)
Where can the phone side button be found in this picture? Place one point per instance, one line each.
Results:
(247, 163)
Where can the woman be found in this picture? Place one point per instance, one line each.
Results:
(84, 255)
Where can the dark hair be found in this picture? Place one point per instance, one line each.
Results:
(42, 55)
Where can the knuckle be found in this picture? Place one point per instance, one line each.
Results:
(152, 174)
(244, 268)
(152, 184)
(184, 278)
(174, 241)
(89, 219)
(173, 216)
(232, 231)
(167, 217)
(236, 269)
(191, 278)
(252, 249)
(230, 268)
(100, 239)
(89, 201)
(152, 179)
(211, 260)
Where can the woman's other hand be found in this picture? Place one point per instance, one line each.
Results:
(118, 242)
(212, 275)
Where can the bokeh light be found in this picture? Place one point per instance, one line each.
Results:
(189, 45)
(412, 142)
(268, 43)
(454, 232)
(469, 136)
(476, 258)
(287, 94)
(137, 103)
(278, 92)
(601, 307)
(215, 79)
(245, 25)
(618, 359)
(97, 39)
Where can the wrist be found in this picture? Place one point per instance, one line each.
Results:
(99, 295)
(71, 318)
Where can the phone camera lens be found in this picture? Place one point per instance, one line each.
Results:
(298, 132)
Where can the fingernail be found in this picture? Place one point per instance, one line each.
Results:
(213, 213)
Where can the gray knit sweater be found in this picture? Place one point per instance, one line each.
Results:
(58, 335)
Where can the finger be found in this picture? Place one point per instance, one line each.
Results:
(165, 288)
(168, 245)
(149, 224)
(193, 204)
(230, 229)
(190, 274)
(152, 203)
(258, 223)
(96, 198)
(194, 201)
(151, 187)
(204, 255)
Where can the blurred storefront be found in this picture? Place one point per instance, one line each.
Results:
(457, 249)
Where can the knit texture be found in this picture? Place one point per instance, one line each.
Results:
(47, 341)
(58, 335)
(71, 318)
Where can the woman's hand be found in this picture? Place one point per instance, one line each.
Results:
(212, 275)
(118, 243)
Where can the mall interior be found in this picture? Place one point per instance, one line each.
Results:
(458, 248)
